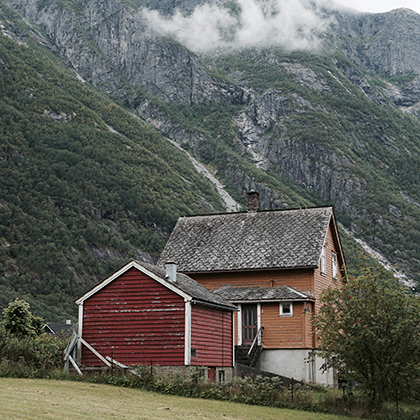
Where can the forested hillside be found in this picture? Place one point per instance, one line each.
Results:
(91, 91)
(84, 184)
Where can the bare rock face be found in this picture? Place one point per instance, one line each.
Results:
(110, 45)
(385, 43)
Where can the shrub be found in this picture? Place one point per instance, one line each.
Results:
(41, 353)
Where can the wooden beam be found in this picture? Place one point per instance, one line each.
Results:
(70, 346)
(75, 365)
(97, 354)
(115, 362)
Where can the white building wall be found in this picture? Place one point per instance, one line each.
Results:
(301, 365)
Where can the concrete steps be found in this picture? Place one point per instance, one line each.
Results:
(242, 357)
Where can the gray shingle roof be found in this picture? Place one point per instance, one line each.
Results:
(56, 328)
(191, 287)
(248, 241)
(238, 294)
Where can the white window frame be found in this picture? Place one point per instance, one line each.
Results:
(323, 262)
(281, 309)
(334, 265)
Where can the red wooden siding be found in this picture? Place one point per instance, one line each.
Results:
(135, 319)
(211, 336)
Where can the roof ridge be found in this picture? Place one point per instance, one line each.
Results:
(269, 239)
(257, 212)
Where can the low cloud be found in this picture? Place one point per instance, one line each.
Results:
(291, 24)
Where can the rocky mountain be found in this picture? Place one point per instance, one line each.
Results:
(325, 113)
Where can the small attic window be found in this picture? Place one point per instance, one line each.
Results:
(286, 309)
(323, 265)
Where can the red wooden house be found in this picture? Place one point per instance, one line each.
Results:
(273, 265)
(143, 314)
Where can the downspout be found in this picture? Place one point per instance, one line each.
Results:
(187, 342)
(80, 331)
(240, 325)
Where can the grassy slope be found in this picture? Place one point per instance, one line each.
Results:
(41, 399)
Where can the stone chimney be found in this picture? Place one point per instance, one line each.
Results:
(171, 271)
(253, 201)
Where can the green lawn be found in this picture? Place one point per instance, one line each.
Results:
(47, 399)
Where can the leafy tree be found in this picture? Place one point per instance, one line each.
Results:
(19, 321)
(369, 329)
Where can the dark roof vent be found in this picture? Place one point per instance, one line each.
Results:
(253, 201)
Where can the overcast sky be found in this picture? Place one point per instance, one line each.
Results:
(381, 5)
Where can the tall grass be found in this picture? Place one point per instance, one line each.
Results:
(41, 357)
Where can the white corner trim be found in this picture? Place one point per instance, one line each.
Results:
(187, 343)
(240, 325)
(259, 322)
(295, 291)
(80, 332)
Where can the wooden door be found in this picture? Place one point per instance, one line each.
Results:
(211, 374)
(249, 323)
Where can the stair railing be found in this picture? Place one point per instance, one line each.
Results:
(254, 345)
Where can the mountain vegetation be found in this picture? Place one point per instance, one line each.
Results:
(84, 184)
(90, 94)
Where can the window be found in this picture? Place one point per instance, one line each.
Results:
(323, 265)
(334, 265)
(286, 309)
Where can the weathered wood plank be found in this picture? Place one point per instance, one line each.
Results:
(135, 319)
(96, 353)
(75, 365)
(211, 330)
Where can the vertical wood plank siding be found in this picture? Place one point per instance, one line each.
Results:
(235, 328)
(211, 336)
(135, 319)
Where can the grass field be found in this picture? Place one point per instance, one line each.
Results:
(47, 399)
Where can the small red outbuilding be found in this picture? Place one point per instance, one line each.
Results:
(143, 314)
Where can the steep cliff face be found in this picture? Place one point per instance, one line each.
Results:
(387, 44)
(110, 45)
(327, 123)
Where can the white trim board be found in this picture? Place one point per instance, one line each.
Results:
(133, 264)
